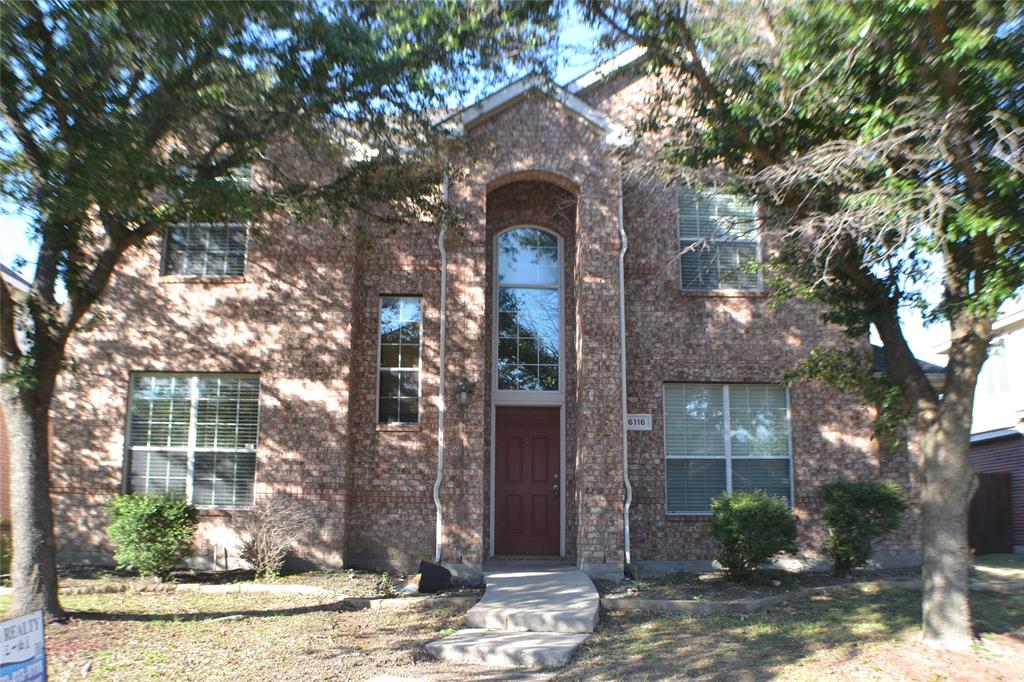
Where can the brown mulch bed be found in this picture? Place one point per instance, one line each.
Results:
(715, 586)
(344, 582)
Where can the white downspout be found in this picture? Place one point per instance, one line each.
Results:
(441, 396)
(624, 245)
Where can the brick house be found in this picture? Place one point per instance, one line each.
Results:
(462, 395)
(997, 436)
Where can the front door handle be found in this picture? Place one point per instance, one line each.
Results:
(555, 489)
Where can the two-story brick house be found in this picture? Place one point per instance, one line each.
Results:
(463, 394)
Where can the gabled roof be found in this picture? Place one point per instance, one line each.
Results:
(13, 279)
(615, 133)
(606, 69)
(935, 374)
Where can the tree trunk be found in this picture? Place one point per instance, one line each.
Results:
(948, 483)
(34, 564)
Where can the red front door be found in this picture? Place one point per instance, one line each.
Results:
(526, 483)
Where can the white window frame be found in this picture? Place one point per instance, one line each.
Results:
(515, 396)
(756, 241)
(164, 252)
(190, 448)
(418, 368)
(727, 435)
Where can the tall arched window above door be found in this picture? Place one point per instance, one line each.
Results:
(529, 310)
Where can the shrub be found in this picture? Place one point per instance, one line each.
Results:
(151, 533)
(856, 512)
(751, 528)
(270, 530)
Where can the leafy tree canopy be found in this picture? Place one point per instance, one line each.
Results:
(885, 138)
(885, 142)
(120, 118)
(133, 115)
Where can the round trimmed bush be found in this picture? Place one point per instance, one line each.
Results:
(857, 512)
(751, 528)
(151, 533)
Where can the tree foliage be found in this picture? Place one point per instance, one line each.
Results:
(121, 118)
(884, 141)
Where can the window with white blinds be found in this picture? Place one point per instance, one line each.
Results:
(717, 241)
(205, 250)
(194, 435)
(725, 438)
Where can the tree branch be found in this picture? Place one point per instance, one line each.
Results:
(47, 81)
(901, 364)
(95, 283)
(38, 161)
(695, 68)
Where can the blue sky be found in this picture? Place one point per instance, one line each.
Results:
(576, 56)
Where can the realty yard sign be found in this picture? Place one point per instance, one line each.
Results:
(22, 652)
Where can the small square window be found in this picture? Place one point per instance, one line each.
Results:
(205, 250)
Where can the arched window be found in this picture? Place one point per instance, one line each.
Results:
(529, 324)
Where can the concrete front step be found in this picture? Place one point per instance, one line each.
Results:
(506, 649)
(537, 600)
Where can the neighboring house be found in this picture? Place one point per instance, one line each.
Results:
(463, 393)
(18, 288)
(997, 434)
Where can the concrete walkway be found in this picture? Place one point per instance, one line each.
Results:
(532, 614)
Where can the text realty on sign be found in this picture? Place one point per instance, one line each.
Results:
(22, 649)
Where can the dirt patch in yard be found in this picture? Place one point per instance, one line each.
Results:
(848, 634)
(177, 636)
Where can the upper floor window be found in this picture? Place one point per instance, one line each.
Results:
(398, 391)
(717, 241)
(529, 313)
(194, 435)
(205, 250)
(722, 439)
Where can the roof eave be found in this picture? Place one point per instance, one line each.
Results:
(615, 134)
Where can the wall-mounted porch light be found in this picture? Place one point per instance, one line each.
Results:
(462, 391)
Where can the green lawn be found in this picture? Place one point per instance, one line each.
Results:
(1012, 561)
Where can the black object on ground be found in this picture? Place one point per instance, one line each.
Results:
(434, 577)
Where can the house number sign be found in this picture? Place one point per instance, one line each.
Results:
(638, 422)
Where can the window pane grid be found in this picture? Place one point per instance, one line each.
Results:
(222, 411)
(528, 306)
(205, 250)
(398, 390)
(724, 438)
(717, 241)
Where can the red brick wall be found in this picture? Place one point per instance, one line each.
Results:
(676, 336)
(305, 317)
(289, 319)
(540, 140)
(390, 512)
(1005, 455)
